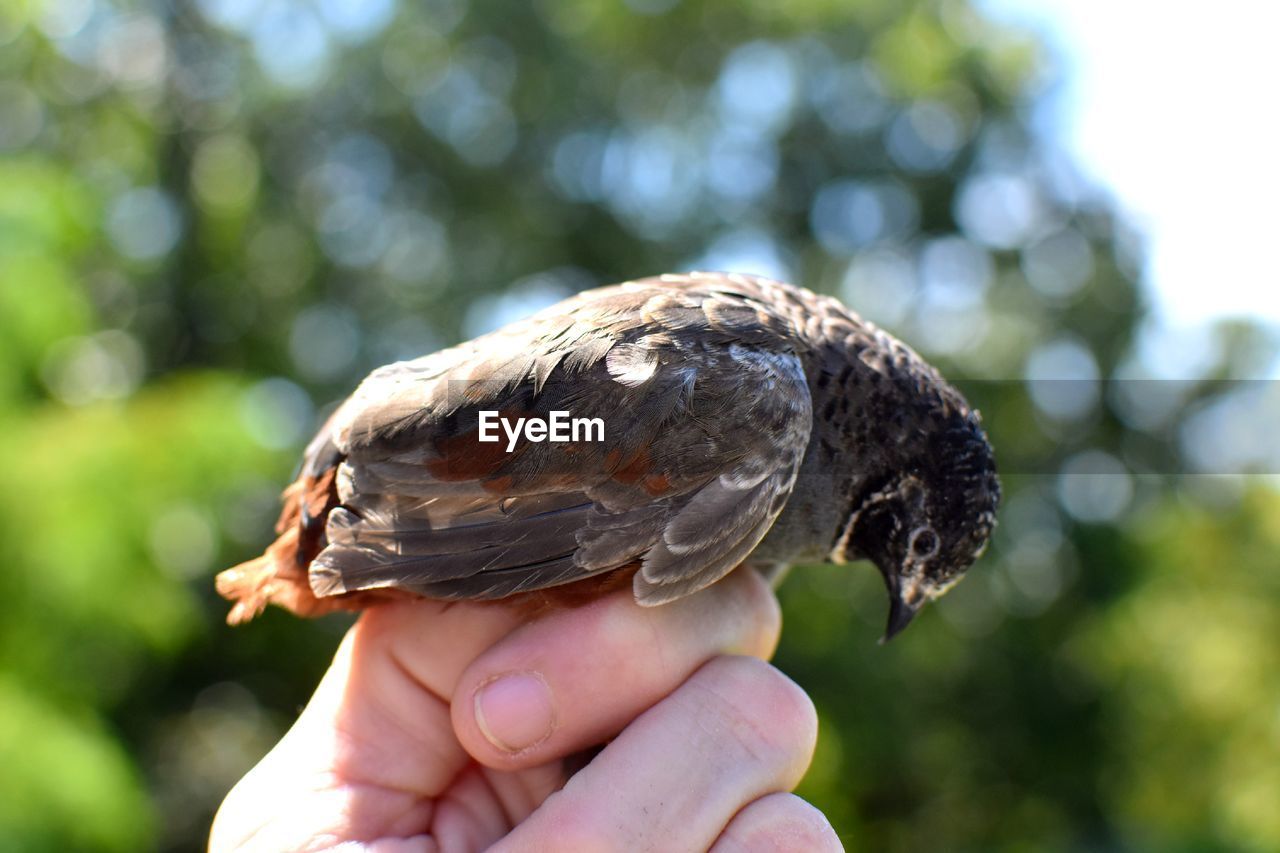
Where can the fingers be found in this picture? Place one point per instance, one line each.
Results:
(736, 731)
(379, 719)
(382, 709)
(375, 742)
(574, 678)
(378, 736)
(778, 823)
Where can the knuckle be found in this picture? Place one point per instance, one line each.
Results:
(768, 713)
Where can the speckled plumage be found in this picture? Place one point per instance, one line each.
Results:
(746, 421)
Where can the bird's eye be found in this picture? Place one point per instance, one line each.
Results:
(924, 542)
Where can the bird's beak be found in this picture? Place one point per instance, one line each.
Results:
(900, 616)
(901, 611)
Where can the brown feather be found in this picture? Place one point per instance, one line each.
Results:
(541, 601)
(279, 576)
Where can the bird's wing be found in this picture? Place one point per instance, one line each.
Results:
(705, 412)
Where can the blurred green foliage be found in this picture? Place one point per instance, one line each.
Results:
(216, 215)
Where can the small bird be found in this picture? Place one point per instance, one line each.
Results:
(726, 421)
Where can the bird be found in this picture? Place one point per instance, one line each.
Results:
(729, 421)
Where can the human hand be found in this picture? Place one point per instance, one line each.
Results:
(446, 728)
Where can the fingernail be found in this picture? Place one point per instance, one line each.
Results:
(514, 711)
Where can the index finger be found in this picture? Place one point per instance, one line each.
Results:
(574, 678)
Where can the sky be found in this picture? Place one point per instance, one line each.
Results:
(1172, 106)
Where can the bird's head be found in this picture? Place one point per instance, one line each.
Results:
(926, 521)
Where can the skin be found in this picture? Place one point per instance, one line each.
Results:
(447, 728)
